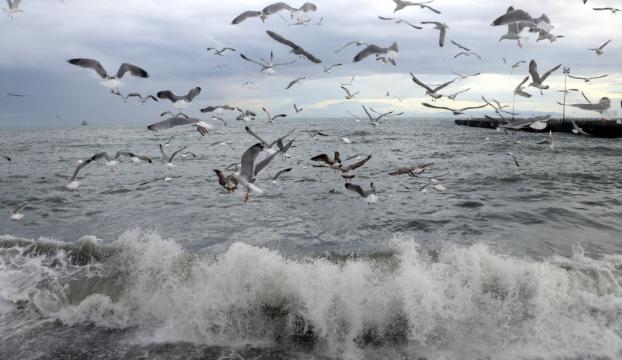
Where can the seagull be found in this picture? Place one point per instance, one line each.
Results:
(218, 109)
(228, 182)
(466, 52)
(179, 102)
(545, 35)
(439, 26)
(356, 117)
(17, 214)
(220, 52)
(464, 77)
(169, 159)
(109, 81)
(548, 140)
(613, 10)
(222, 143)
(249, 83)
(401, 4)
(315, 133)
(299, 14)
(272, 118)
(267, 67)
(249, 169)
(587, 79)
(456, 112)
(2, 93)
(295, 49)
(294, 82)
(349, 95)
(453, 96)
(514, 30)
(168, 143)
(519, 16)
(297, 109)
(516, 65)
(498, 107)
(334, 163)
(111, 162)
(536, 79)
(388, 94)
(577, 130)
(357, 43)
(346, 171)
(603, 105)
(599, 51)
(202, 127)
(519, 90)
(327, 69)
(514, 157)
(375, 121)
(346, 140)
(398, 21)
(387, 55)
(413, 171)
(369, 195)
(13, 8)
(245, 115)
(429, 91)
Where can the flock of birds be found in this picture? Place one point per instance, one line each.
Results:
(260, 155)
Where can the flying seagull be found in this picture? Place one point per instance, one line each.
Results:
(548, 140)
(387, 55)
(346, 171)
(13, 8)
(456, 112)
(375, 121)
(577, 130)
(349, 95)
(110, 161)
(267, 67)
(357, 43)
(295, 49)
(464, 77)
(327, 69)
(218, 109)
(430, 91)
(294, 82)
(369, 195)
(272, 118)
(169, 159)
(600, 50)
(220, 52)
(202, 127)
(333, 163)
(519, 90)
(297, 109)
(587, 79)
(453, 96)
(515, 159)
(603, 105)
(110, 81)
(249, 169)
(398, 21)
(245, 115)
(413, 171)
(401, 4)
(613, 10)
(536, 79)
(442, 27)
(179, 102)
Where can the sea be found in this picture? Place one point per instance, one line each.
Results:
(477, 258)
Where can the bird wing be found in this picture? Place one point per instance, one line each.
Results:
(438, 107)
(281, 173)
(248, 160)
(251, 60)
(385, 18)
(533, 70)
(418, 82)
(605, 44)
(193, 93)
(276, 7)
(511, 17)
(577, 77)
(357, 165)
(263, 163)
(162, 152)
(548, 73)
(442, 86)
(370, 49)
(282, 40)
(346, 90)
(251, 133)
(171, 123)
(441, 37)
(75, 173)
(90, 64)
(474, 107)
(323, 158)
(176, 152)
(132, 69)
(356, 189)
(222, 180)
(167, 94)
(308, 6)
(245, 15)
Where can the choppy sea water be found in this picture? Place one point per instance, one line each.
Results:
(509, 262)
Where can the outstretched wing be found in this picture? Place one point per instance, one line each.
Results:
(193, 93)
(418, 82)
(546, 74)
(132, 69)
(245, 15)
(371, 49)
(356, 189)
(90, 64)
(281, 39)
(167, 94)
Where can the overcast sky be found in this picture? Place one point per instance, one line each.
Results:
(169, 40)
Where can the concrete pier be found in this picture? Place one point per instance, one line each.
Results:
(595, 127)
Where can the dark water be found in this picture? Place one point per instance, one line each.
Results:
(508, 262)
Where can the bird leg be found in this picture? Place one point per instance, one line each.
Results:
(246, 198)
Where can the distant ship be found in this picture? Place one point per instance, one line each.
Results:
(84, 123)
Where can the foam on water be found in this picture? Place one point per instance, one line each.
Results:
(459, 302)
